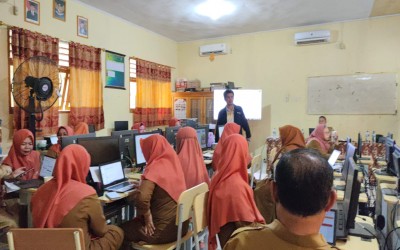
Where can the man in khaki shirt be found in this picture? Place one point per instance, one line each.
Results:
(303, 193)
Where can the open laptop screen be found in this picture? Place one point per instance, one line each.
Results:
(328, 227)
(111, 173)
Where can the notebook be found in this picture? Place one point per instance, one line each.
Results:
(47, 167)
(333, 158)
(328, 227)
(113, 177)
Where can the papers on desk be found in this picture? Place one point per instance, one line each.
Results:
(11, 187)
(95, 172)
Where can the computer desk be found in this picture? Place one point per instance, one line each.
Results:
(380, 180)
(355, 242)
(388, 205)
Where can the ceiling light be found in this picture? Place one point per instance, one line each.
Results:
(215, 9)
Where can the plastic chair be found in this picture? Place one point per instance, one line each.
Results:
(45, 239)
(183, 213)
(200, 217)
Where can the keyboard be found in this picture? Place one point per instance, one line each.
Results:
(34, 183)
(120, 187)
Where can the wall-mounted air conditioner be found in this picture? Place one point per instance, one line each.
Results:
(217, 49)
(312, 37)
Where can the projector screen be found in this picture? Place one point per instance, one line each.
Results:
(249, 99)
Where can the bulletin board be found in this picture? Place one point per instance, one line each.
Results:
(353, 94)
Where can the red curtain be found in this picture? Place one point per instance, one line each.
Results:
(26, 44)
(85, 88)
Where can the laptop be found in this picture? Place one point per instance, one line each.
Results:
(113, 177)
(328, 227)
(47, 167)
(333, 158)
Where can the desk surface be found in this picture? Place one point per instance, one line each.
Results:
(385, 178)
(362, 198)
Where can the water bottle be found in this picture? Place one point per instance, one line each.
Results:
(373, 136)
(367, 136)
(302, 131)
(274, 135)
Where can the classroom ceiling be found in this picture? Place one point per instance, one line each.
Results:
(177, 20)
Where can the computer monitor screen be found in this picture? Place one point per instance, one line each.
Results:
(124, 132)
(359, 145)
(349, 155)
(120, 125)
(220, 130)
(170, 135)
(328, 227)
(310, 130)
(389, 146)
(202, 136)
(126, 148)
(189, 122)
(352, 199)
(139, 157)
(396, 160)
(67, 140)
(101, 149)
(351, 176)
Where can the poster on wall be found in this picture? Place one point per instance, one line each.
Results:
(180, 108)
(115, 70)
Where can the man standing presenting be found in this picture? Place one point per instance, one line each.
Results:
(232, 113)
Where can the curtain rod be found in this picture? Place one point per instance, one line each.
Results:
(134, 57)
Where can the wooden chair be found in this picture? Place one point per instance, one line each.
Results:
(46, 239)
(255, 169)
(183, 213)
(200, 222)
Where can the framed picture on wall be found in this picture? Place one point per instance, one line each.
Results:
(60, 9)
(32, 11)
(82, 25)
(115, 70)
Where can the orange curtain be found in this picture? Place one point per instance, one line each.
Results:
(85, 87)
(26, 44)
(153, 98)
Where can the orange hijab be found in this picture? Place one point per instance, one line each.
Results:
(172, 122)
(16, 159)
(318, 135)
(81, 128)
(191, 157)
(57, 147)
(291, 138)
(229, 129)
(53, 201)
(163, 166)
(231, 199)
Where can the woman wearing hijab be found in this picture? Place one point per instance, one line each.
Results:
(174, 122)
(231, 202)
(157, 196)
(191, 157)
(319, 140)
(81, 128)
(55, 150)
(66, 201)
(229, 129)
(21, 158)
(291, 138)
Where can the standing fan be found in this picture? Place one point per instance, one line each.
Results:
(35, 88)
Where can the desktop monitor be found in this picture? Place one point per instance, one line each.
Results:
(351, 197)
(92, 128)
(170, 135)
(310, 130)
(346, 165)
(359, 145)
(389, 146)
(352, 172)
(67, 140)
(120, 125)
(139, 157)
(101, 149)
(396, 164)
(124, 132)
(125, 141)
(189, 122)
(202, 136)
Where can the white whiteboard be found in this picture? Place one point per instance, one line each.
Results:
(249, 99)
(352, 94)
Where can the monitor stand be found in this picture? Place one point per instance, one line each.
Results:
(363, 230)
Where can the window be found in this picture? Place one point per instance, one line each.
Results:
(132, 83)
(63, 67)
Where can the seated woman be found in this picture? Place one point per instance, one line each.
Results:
(191, 157)
(320, 140)
(156, 199)
(291, 138)
(231, 202)
(21, 158)
(81, 128)
(67, 201)
(229, 129)
(55, 150)
(139, 126)
(174, 122)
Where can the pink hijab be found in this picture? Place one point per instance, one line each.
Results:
(318, 135)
